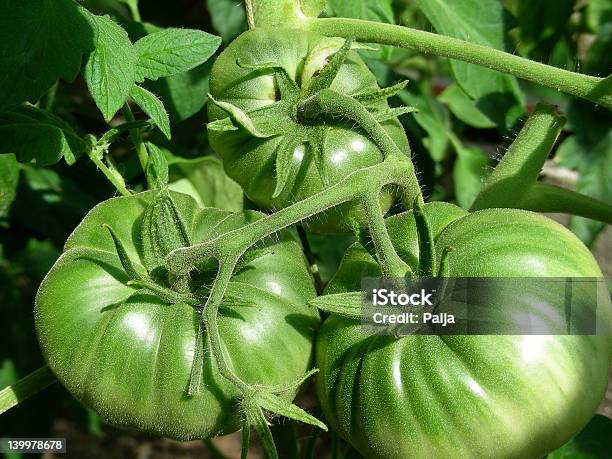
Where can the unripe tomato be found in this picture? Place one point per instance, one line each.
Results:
(433, 396)
(246, 75)
(128, 354)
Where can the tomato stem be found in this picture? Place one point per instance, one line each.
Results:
(353, 187)
(513, 183)
(141, 151)
(209, 316)
(117, 181)
(588, 87)
(390, 263)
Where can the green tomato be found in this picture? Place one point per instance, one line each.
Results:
(128, 354)
(324, 152)
(432, 396)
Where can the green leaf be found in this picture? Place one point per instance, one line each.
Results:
(373, 10)
(110, 71)
(32, 133)
(184, 94)
(40, 41)
(241, 118)
(157, 167)
(433, 117)
(464, 108)
(163, 230)
(347, 304)
(370, 10)
(153, 107)
(9, 178)
(173, 51)
(589, 151)
(205, 180)
(481, 22)
(593, 442)
(469, 172)
(599, 59)
(275, 404)
(541, 25)
(228, 18)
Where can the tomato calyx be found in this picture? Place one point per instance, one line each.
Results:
(296, 114)
(144, 282)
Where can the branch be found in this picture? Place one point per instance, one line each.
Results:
(597, 90)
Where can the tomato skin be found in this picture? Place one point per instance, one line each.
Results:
(251, 161)
(130, 360)
(484, 396)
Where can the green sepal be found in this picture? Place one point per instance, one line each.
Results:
(149, 287)
(257, 419)
(275, 404)
(327, 74)
(394, 112)
(342, 304)
(381, 94)
(163, 230)
(318, 146)
(290, 385)
(426, 240)
(240, 118)
(285, 83)
(222, 125)
(286, 172)
(124, 258)
(140, 280)
(157, 167)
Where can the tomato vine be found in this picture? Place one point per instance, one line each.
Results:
(281, 106)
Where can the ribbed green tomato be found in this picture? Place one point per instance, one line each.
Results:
(328, 148)
(129, 355)
(428, 396)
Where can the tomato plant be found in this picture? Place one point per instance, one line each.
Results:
(264, 74)
(195, 199)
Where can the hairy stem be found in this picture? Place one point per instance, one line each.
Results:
(117, 183)
(514, 183)
(543, 197)
(353, 187)
(391, 264)
(134, 11)
(597, 90)
(209, 316)
(136, 137)
(248, 6)
(328, 102)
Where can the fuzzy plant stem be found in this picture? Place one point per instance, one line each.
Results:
(597, 90)
(234, 243)
(391, 265)
(118, 183)
(514, 184)
(141, 150)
